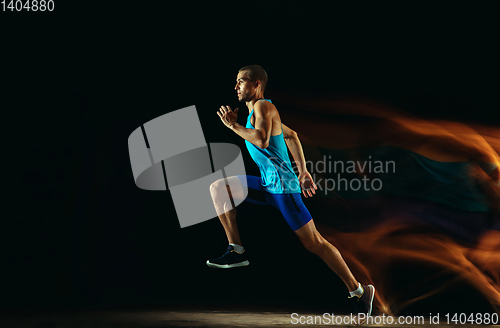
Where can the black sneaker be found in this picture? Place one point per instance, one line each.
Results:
(364, 303)
(230, 259)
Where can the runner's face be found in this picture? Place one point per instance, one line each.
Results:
(245, 88)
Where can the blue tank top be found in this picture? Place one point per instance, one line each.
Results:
(277, 176)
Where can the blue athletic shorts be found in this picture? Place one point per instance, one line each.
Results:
(290, 205)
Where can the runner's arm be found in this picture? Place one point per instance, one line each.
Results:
(263, 123)
(295, 147)
(293, 143)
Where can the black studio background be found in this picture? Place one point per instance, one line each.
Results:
(78, 233)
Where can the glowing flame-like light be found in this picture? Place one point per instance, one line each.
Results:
(350, 124)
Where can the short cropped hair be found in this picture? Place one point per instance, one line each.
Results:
(256, 72)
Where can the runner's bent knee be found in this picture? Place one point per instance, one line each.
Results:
(235, 187)
(222, 185)
(216, 186)
(313, 244)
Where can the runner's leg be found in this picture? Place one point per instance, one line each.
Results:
(317, 244)
(224, 205)
(300, 220)
(224, 192)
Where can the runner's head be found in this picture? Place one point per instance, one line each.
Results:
(250, 83)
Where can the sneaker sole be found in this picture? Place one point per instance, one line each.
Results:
(372, 289)
(227, 266)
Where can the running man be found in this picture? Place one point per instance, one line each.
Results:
(267, 138)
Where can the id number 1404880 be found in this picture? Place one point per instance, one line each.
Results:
(27, 5)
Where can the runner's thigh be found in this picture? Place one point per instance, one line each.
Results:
(236, 187)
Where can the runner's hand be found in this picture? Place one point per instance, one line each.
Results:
(228, 116)
(306, 182)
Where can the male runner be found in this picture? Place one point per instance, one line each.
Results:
(267, 138)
